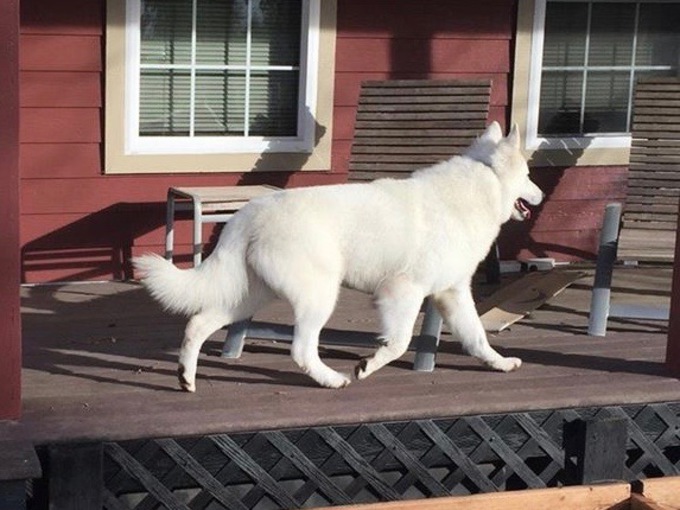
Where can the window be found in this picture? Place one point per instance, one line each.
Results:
(584, 59)
(213, 85)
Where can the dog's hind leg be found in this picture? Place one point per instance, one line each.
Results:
(198, 329)
(457, 307)
(310, 317)
(204, 324)
(398, 301)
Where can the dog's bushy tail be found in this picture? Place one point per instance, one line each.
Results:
(182, 291)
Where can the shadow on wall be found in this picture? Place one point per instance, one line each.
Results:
(98, 246)
(516, 236)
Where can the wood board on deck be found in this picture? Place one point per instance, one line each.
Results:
(96, 355)
(521, 297)
(593, 497)
(663, 491)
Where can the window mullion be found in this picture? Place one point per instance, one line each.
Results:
(584, 82)
(631, 83)
(249, 27)
(192, 79)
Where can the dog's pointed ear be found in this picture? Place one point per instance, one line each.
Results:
(493, 133)
(514, 137)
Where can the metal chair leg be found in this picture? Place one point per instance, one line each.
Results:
(606, 256)
(236, 337)
(428, 341)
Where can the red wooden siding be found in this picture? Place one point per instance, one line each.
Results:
(71, 211)
(10, 319)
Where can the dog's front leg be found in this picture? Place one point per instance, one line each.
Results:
(457, 307)
(398, 301)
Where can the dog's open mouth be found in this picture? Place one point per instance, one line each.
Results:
(522, 209)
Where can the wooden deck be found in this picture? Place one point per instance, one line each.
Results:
(100, 363)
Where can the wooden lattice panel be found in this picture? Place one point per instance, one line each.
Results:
(375, 462)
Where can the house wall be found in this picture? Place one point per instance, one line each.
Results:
(77, 223)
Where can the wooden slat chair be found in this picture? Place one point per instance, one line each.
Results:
(404, 125)
(401, 125)
(645, 232)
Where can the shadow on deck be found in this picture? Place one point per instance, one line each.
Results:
(100, 363)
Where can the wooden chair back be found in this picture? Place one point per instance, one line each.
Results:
(650, 216)
(404, 125)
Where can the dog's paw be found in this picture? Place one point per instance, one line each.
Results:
(184, 383)
(507, 364)
(336, 381)
(361, 370)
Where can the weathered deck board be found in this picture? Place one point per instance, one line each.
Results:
(100, 362)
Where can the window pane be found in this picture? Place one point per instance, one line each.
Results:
(606, 108)
(565, 34)
(273, 103)
(611, 34)
(164, 103)
(220, 103)
(560, 110)
(659, 35)
(166, 32)
(276, 32)
(221, 30)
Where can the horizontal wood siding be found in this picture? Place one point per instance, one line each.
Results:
(567, 225)
(69, 204)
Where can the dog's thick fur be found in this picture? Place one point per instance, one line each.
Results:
(400, 240)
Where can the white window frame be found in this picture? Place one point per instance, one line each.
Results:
(303, 142)
(596, 149)
(311, 150)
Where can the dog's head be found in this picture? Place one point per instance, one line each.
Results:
(504, 156)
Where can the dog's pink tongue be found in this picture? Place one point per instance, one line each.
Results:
(522, 208)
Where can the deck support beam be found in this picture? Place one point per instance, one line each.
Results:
(599, 446)
(18, 463)
(673, 345)
(10, 261)
(76, 476)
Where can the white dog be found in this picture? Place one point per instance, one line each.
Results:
(401, 240)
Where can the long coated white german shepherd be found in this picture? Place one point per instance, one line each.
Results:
(400, 240)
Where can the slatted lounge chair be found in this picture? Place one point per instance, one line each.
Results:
(401, 125)
(645, 231)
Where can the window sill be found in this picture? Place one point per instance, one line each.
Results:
(565, 153)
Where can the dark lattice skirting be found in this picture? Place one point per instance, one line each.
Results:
(378, 462)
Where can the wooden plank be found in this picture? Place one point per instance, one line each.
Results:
(411, 141)
(426, 84)
(18, 461)
(465, 55)
(76, 53)
(525, 296)
(434, 89)
(478, 115)
(61, 89)
(664, 491)
(10, 236)
(76, 476)
(600, 497)
(364, 109)
(451, 123)
(61, 125)
(640, 502)
(599, 446)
